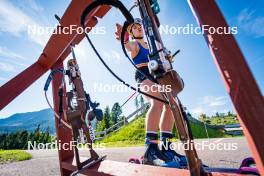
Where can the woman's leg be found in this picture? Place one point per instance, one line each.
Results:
(166, 120)
(152, 155)
(155, 110)
(166, 125)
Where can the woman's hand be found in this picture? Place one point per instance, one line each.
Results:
(118, 33)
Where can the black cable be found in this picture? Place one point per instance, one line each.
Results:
(117, 77)
(115, 3)
(128, 16)
(60, 93)
(50, 77)
(130, 20)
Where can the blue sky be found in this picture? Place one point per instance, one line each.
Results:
(204, 91)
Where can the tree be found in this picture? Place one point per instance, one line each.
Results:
(100, 126)
(202, 117)
(3, 139)
(208, 122)
(107, 117)
(136, 102)
(115, 113)
(23, 139)
(37, 135)
(106, 121)
(45, 137)
(141, 100)
(19, 139)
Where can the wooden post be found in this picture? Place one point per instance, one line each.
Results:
(239, 81)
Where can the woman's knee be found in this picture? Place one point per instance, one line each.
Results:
(157, 105)
(166, 108)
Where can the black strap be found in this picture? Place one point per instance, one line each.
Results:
(60, 93)
(129, 19)
(117, 77)
(115, 3)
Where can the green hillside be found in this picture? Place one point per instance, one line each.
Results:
(134, 133)
(130, 134)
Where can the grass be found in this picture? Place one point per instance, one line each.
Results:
(134, 131)
(133, 134)
(199, 131)
(7, 156)
(123, 144)
(226, 120)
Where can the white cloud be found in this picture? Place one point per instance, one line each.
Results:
(116, 56)
(257, 60)
(10, 59)
(212, 101)
(33, 5)
(2, 78)
(209, 105)
(10, 54)
(5, 67)
(221, 111)
(14, 21)
(244, 15)
(112, 56)
(251, 23)
(197, 111)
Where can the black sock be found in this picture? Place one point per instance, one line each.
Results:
(165, 140)
(151, 138)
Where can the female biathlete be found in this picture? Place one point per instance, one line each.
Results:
(159, 115)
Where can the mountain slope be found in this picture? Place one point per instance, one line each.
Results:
(28, 121)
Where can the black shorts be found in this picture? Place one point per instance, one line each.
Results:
(139, 77)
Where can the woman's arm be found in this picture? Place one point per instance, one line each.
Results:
(129, 45)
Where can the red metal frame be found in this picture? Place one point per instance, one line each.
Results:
(239, 82)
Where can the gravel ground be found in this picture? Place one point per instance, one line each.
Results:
(46, 162)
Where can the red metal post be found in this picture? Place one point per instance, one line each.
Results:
(239, 81)
(18, 84)
(64, 134)
(56, 48)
